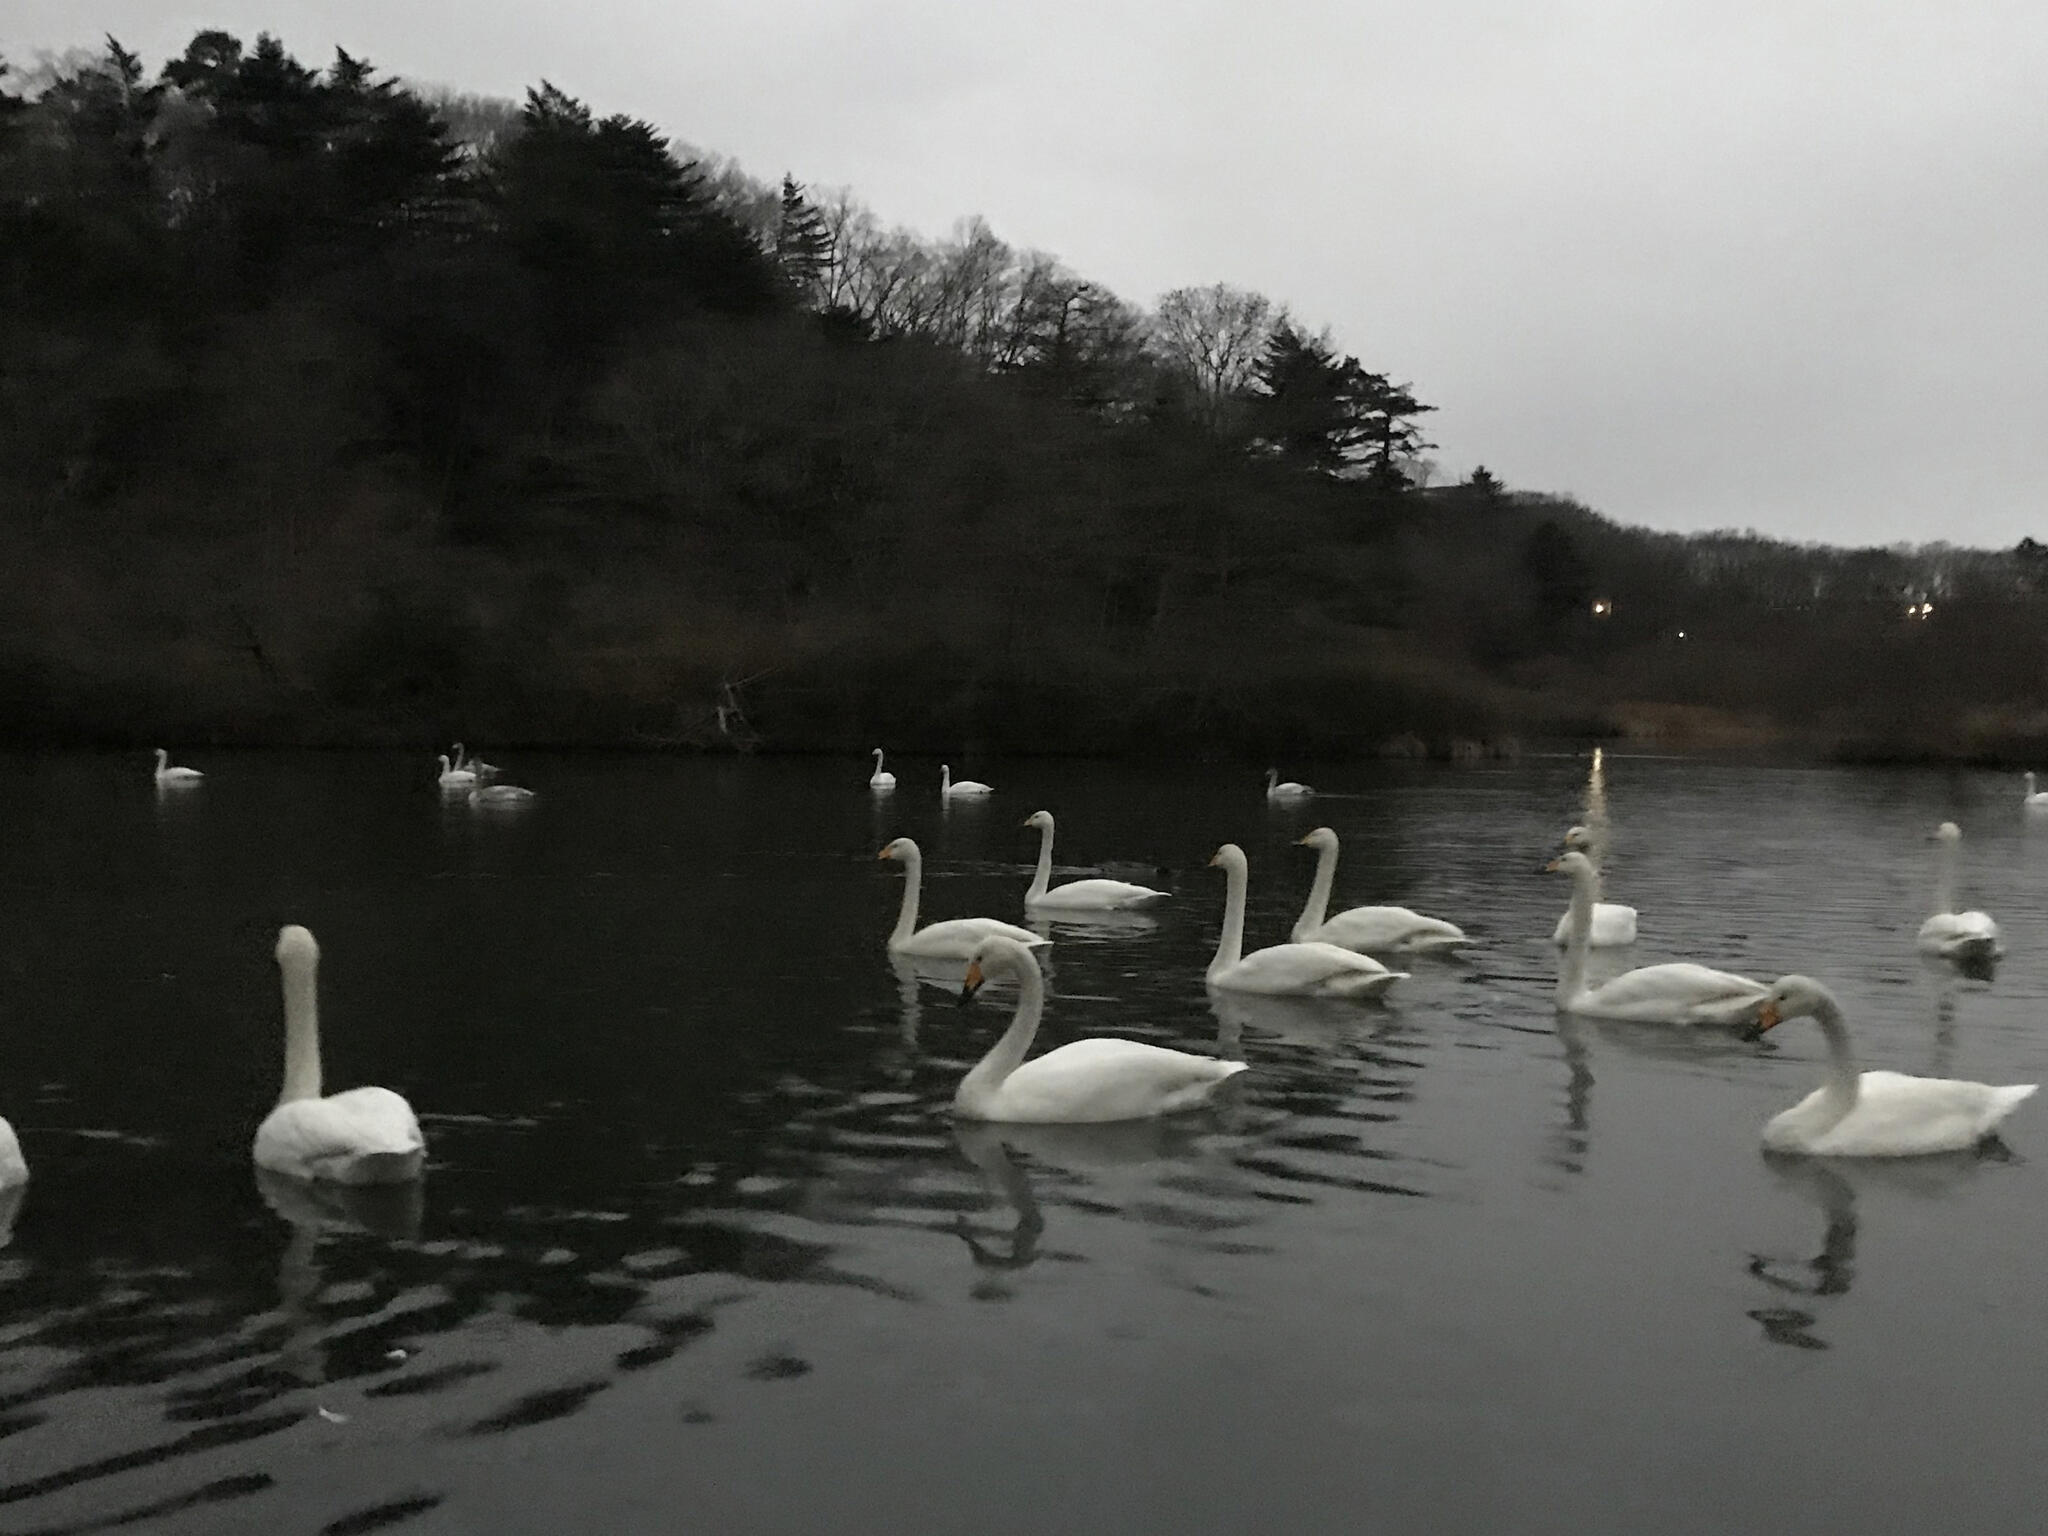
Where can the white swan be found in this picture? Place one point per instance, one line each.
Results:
(1083, 1082)
(1286, 970)
(1948, 933)
(948, 790)
(1875, 1114)
(1393, 930)
(363, 1136)
(1674, 993)
(453, 777)
(954, 939)
(166, 774)
(13, 1166)
(881, 778)
(1287, 789)
(1078, 895)
(2034, 799)
(501, 794)
(1614, 925)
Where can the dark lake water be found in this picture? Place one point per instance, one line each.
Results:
(700, 1247)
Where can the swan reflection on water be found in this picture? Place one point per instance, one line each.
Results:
(1107, 923)
(1832, 1186)
(317, 1211)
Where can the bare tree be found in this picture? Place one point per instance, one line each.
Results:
(1213, 338)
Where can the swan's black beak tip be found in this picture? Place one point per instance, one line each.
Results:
(966, 997)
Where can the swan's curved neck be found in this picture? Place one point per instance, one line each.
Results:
(1945, 877)
(945, 778)
(1007, 1054)
(1272, 779)
(906, 915)
(878, 759)
(1317, 908)
(1230, 948)
(1043, 878)
(1843, 1084)
(163, 759)
(1578, 933)
(301, 1034)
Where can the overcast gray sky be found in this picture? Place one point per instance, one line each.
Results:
(1713, 263)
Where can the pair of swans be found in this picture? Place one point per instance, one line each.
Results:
(1391, 930)
(362, 1136)
(1673, 993)
(1092, 1081)
(166, 774)
(1949, 934)
(1304, 969)
(452, 777)
(1874, 1114)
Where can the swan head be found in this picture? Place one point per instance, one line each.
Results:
(1578, 838)
(1319, 839)
(1230, 859)
(901, 848)
(1042, 820)
(296, 948)
(1571, 863)
(998, 955)
(1948, 832)
(1790, 997)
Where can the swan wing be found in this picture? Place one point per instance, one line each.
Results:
(1104, 1079)
(363, 1136)
(1900, 1116)
(1307, 969)
(1097, 895)
(1676, 993)
(1387, 928)
(956, 938)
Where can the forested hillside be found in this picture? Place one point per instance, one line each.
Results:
(332, 410)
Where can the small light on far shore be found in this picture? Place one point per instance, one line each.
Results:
(1681, 634)
(1602, 607)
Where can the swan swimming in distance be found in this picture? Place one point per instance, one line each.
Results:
(1284, 789)
(881, 778)
(2034, 799)
(452, 777)
(1948, 933)
(1874, 1114)
(1078, 895)
(1285, 970)
(1394, 930)
(1089, 1081)
(475, 765)
(1614, 925)
(361, 1136)
(1673, 993)
(501, 795)
(953, 939)
(166, 774)
(948, 790)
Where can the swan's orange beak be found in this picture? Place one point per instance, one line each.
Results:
(1553, 866)
(1766, 1018)
(973, 981)
(885, 854)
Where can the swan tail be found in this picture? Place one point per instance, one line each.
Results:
(2009, 1098)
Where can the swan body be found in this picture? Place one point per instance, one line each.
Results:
(1084, 1082)
(954, 939)
(501, 794)
(1874, 1114)
(1394, 930)
(1278, 788)
(453, 777)
(1286, 970)
(1614, 925)
(1950, 934)
(166, 774)
(363, 1136)
(1078, 895)
(881, 778)
(1673, 993)
(948, 790)
(2034, 799)
(13, 1166)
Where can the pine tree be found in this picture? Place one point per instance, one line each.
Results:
(803, 245)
